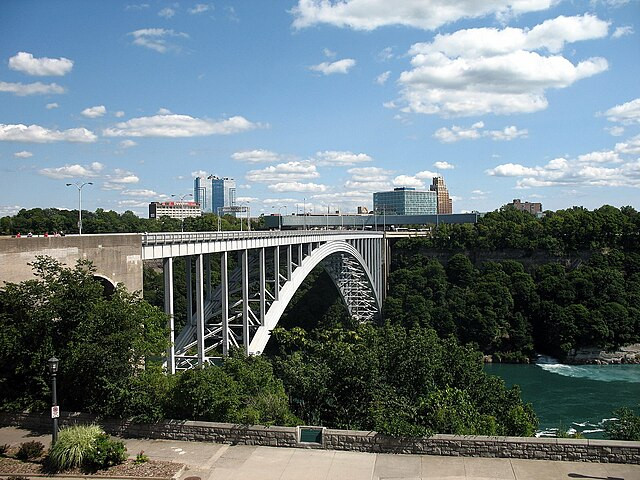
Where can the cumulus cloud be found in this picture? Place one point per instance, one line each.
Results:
(283, 172)
(23, 154)
(119, 180)
(340, 158)
(94, 112)
(26, 63)
(143, 193)
(368, 179)
(37, 88)
(616, 131)
(167, 12)
(199, 8)
(602, 168)
(328, 53)
(408, 181)
(178, 126)
(443, 166)
(383, 77)
(256, 156)
(622, 31)
(50, 106)
(38, 134)
(502, 71)
(156, 38)
(73, 171)
(339, 66)
(385, 54)
(424, 14)
(119, 114)
(297, 187)
(127, 144)
(627, 113)
(476, 131)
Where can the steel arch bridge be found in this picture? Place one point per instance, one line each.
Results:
(259, 275)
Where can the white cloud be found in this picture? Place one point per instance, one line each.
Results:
(408, 181)
(256, 156)
(199, 173)
(178, 126)
(38, 134)
(443, 166)
(94, 112)
(385, 54)
(119, 114)
(6, 210)
(486, 70)
(511, 170)
(383, 77)
(282, 172)
(329, 53)
(119, 180)
(340, 158)
(199, 8)
(23, 154)
(297, 187)
(139, 6)
(424, 14)
(156, 38)
(167, 12)
(26, 63)
(475, 131)
(50, 106)
(426, 174)
(339, 66)
(369, 174)
(73, 171)
(163, 111)
(133, 204)
(281, 201)
(616, 131)
(143, 193)
(627, 113)
(127, 144)
(622, 31)
(631, 146)
(37, 88)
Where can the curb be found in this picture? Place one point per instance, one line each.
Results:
(92, 477)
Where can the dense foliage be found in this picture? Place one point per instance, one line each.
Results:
(560, 232)
(508, 311)
(395, 380)
(50, 220)
(625, 426)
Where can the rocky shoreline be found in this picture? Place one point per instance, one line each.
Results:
(594, 356)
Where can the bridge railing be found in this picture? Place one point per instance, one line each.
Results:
(200, 237)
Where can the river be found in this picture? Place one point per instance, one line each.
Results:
(572, 397)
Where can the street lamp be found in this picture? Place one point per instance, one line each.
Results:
(182, 197)
(55, 411)
(79, 187)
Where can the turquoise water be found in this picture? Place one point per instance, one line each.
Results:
(578, 397)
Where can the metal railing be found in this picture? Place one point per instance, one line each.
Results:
(201, 237)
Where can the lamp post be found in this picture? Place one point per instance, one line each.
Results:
(55, 411)
(79, 187)
(182, 197)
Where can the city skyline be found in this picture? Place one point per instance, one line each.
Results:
(320, 102)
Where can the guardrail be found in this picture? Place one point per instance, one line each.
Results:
(200, 237)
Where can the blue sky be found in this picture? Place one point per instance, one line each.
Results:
(320, 100)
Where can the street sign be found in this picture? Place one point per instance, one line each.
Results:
(55, 411)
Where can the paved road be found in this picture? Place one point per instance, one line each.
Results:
(211, 461)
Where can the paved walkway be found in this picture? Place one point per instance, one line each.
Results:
(212, 461)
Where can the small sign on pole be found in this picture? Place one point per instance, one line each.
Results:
(55, 411)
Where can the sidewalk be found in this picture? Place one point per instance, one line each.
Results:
(211, 461)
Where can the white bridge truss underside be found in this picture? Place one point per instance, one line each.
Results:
(251, 297)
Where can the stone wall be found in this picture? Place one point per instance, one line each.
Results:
(585, 450)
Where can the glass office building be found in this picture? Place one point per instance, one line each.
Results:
(405, 201)
(214, 193)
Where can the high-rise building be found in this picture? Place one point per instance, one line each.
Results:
(445, 205)
(534, 208)
(179, 210)
(405, 201)
(214, 193)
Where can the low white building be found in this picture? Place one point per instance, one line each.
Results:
(179, 210)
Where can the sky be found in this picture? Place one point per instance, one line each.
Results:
(319, 102)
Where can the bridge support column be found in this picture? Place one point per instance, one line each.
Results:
(276, 273)
(300, 254)
(207, 276)
(167, 270)
(189, 285)
(200, 309)
(224, 297)
(263, 280)
(244, 259)
(289, 260)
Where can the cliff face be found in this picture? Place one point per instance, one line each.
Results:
(594, 356)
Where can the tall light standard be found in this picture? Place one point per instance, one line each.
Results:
(79, 187)
(55, 411)
(304, 212)
(182, 197)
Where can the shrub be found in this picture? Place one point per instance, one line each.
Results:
(30, 450)
(105, 453)
(73, 446)
(141, 458)
(626, 427)
(17, 477)
(4, 448)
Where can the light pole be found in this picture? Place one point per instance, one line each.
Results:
(79, 187)
(55, 411)
(182, 197)
(280, 215)
(304, 212)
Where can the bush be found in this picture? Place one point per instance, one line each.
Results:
(73, 446)
(141, 458)
(4, 448)
(105, 453)
(30, 450)
(626, 427)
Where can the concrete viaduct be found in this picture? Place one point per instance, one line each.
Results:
(247, 304)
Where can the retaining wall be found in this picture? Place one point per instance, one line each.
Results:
(585, 450)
